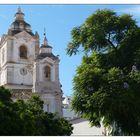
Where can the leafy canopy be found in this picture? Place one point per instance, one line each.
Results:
(106, 87)
(102, 31)
(27, 118)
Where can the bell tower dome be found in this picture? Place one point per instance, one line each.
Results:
(45, 48)
(19, 24)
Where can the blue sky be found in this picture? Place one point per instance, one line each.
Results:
(59, 21)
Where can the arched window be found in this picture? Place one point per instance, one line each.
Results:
(23, 52)
(47, 72)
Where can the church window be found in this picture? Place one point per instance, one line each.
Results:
(47, 72)
(23, 52)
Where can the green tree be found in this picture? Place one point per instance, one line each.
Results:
(27, 118)
(107, 83)
(102, 31)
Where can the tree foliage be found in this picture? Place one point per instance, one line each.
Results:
(27, 118)
(107, 83)
(102, 31)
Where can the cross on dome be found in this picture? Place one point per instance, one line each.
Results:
(19, 9)
(45, 39)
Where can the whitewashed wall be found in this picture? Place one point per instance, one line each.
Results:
(83, 128)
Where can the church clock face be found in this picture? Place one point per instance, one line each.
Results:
(23, 71)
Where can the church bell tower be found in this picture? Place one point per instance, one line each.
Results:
(17, 53)
(46, 78)
(27, 68)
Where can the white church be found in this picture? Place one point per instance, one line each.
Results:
(28, 68)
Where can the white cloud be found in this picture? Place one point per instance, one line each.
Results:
(132, 10)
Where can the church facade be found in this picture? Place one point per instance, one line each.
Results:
(28, 68)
